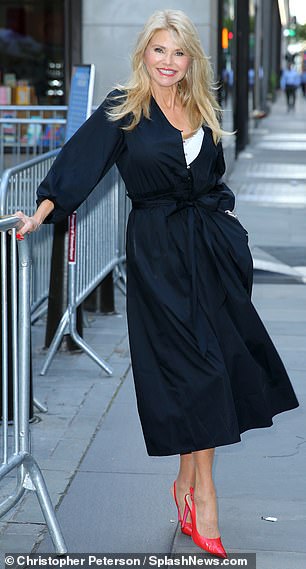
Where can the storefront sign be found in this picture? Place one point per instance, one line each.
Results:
(80, 98)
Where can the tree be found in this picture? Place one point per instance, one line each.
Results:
(301, 32)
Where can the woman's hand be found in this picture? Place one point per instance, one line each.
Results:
(27, 224)
(230, 212)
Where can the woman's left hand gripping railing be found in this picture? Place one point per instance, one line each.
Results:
(15, 266)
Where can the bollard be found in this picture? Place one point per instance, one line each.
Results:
(102, 299)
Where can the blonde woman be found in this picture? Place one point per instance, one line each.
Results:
(205, 369)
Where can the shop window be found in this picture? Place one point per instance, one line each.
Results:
(32, 52)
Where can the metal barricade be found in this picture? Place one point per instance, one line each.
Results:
(16, 455)
(18, 192)
(100, 246)
(124, 207)
(96, 246)
(29, 130)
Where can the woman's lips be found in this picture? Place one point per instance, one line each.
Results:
(166, 72)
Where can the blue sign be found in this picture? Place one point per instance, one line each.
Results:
(80, 98)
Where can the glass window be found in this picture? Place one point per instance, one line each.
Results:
(32, 52)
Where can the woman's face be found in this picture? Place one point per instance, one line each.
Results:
(165, 60)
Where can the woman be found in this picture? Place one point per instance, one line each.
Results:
(205, 369)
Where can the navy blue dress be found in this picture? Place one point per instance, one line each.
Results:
(204, 366)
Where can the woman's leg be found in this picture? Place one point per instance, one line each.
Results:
(185, 479)
(205, 498)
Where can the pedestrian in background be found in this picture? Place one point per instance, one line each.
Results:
(290, 81)
(204, 366)
(303, 79)
(251, 82)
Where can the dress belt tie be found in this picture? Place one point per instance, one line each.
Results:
(215, 290)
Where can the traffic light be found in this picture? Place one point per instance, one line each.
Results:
(289, 32)
(224, 38)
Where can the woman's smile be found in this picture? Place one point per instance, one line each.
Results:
(167, 72)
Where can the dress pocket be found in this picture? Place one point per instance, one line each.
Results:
(233, 217)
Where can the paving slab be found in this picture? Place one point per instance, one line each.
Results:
(113, 513)
(117, 484)
(78, 394)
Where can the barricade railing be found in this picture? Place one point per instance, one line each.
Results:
(15, 348)
(18, 187)
(124, 207)
(96, 246)
(29, 130)
(100, 245)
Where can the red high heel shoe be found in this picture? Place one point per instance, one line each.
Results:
(186, 527)
(211, 545)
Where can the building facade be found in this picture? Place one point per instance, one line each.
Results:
(110, 29)
(41, 39)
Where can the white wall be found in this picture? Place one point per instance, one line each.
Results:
(110, 29)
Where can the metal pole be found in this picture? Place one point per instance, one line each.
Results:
(24, 379)
(58, 290)
(241, 107)
(220, 62)
(24, 342)
(4, 345)
(45, 504)
(15, 339)
(55, 344)
(266, 52)
(29, 475)
(276, 49)
(258, 54)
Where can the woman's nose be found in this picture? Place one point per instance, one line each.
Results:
(168, 58)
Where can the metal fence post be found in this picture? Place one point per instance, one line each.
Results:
(58, 289)
(16, 453)
(8, 258)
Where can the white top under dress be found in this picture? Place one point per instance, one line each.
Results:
(192, 146)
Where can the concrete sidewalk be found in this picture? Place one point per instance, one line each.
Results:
(111, 496)
(264, 476)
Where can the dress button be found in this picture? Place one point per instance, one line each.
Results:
(188, 167)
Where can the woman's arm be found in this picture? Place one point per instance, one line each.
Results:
(77, 169)
(32, 223)
(81, 164)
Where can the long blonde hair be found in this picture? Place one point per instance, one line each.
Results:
(196, 90)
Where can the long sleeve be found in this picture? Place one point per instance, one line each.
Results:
(81, 163)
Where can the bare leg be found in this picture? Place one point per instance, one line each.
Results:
(205, 494)
(185, 479)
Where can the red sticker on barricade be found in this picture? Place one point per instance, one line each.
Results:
(72, 238)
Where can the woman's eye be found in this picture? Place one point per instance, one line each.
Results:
(160, 50)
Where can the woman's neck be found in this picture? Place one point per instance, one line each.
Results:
(166, 97)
